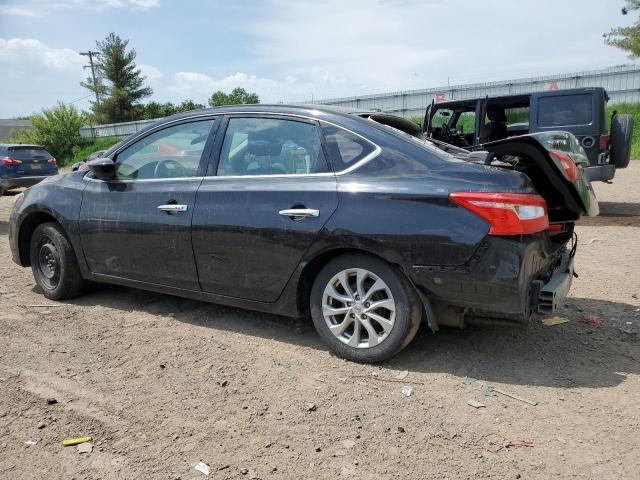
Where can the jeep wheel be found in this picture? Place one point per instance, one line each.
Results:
(621, 138)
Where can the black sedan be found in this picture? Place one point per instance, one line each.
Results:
(309, 211)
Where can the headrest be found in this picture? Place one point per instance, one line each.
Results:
(262, 144)
(496, 114)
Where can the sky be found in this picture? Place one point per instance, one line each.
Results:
(298, 50)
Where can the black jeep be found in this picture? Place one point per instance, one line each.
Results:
(582, 111)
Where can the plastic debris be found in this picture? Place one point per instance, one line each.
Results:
(402, 375)
(407, 390)
(203, 468)
(85, 447)
(31, 441)
(552, 321)
(591, 320)
(515, 397)
(475, 404)
(493, 442)
(76, 441)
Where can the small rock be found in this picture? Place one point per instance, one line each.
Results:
(163, 366)
(318, 449)
(51, 401)
(223, 383)
(41, 425)
(311, 407)
(348, 443)
(244, 471)
(85, 447)
(518, 475)
(475, 404)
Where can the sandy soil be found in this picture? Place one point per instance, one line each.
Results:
(162, 383)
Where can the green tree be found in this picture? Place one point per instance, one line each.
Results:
(121, 85)
(57, 129)
(626, 38)
(237, 96)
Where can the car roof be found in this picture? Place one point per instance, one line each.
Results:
(9, 145)
(513, 97)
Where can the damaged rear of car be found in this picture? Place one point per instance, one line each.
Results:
(525, 263)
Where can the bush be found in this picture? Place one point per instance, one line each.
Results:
(82, 151)
(57, 129)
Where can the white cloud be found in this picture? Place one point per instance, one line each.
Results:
(151, 72)
(32, 8)
(22, 53)
(16, 11)
(199, 86)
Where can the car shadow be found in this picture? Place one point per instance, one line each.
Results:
(625, 214)
(570, 355)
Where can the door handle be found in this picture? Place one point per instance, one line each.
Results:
(173, 208)
(299, 212)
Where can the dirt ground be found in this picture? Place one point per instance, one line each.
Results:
(162, 383)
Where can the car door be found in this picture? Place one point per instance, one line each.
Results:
(269, 195)
(138, 225)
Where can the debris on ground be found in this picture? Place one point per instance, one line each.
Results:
(591, 320)
(311, 407)
(552, 321)
(203, 468)
(475, 404)
(76, 441)
(402, 375)
(223, 383)
(41, 425)
(593, 240)
(515, 397)
(31, 441)
(51, 401)
(493, 442)
(407, 390)
(85, 447)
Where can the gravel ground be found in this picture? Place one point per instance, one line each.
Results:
(162, 383)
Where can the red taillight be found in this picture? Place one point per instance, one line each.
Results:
(10, 161)
(569, 167)
(507, 213)
(52, 160)
(604, 142)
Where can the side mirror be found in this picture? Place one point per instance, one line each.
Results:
(103, 168)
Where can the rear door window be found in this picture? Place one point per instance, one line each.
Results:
(271, 146)
(565, 110)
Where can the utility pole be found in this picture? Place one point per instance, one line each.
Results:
(91, 54)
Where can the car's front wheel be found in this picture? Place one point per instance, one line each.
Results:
(364, 308)
(54, 264)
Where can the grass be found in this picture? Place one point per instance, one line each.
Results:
(80, 152)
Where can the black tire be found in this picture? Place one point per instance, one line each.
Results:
(54, 264)
(621, 139)
(408, 309)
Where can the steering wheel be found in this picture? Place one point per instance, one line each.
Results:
(446, 133)
(167, 169)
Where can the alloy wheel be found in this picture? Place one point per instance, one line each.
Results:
(359, 308)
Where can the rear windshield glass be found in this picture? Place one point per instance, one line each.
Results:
(25, 153)
(564, 110)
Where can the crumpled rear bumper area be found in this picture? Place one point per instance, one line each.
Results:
(506, 278)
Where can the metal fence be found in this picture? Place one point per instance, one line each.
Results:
(622, 83)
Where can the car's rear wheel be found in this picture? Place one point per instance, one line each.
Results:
(621, 140)
(54, 264)
(364, 308)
